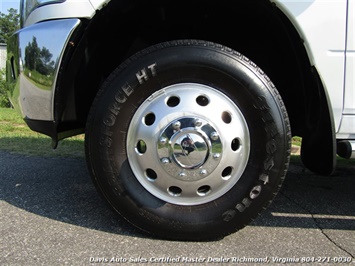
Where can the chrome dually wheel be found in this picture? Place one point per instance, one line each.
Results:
(188, 144)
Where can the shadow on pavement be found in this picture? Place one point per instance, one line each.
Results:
(61, 189)
(307, 200)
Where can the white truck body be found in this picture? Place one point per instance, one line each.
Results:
(329, 43)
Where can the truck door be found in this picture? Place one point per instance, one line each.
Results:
(349, 100)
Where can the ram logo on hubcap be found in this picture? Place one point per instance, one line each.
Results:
(190, 151)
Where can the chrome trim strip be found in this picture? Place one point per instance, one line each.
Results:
(34, 57)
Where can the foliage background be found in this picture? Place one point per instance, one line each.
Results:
(9, 23)
(4, 101)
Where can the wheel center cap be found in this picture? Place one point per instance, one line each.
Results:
(189, 150)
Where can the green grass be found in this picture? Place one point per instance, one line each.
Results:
(297, 141)
(16, 137)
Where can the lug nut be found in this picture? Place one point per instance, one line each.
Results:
(163, 140)
(165, 160)
(198, 123)
(203, 172)
(182, 174)
(214, 135)
(216, 156)
(177, 125)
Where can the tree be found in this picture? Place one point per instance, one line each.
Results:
(9, 23)
(4, 101)
(38, 59)
(32, 52)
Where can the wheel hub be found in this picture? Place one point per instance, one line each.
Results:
(189, 148)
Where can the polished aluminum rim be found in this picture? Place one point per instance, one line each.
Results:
(188, 144)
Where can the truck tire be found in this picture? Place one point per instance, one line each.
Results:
(188, 140)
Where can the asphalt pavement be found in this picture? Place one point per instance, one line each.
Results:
(51, 214)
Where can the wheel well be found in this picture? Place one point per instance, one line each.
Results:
(257, 29)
